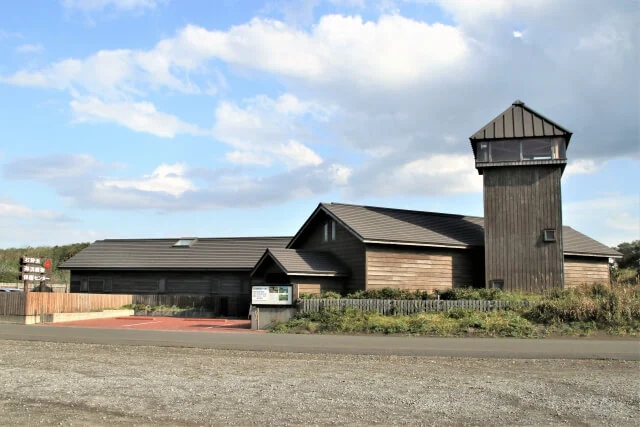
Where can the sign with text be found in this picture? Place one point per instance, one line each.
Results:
(33, 271)
(272, 295)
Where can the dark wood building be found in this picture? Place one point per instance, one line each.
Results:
(521, 244)
(216, 267)
(349, 247)
(521, 155)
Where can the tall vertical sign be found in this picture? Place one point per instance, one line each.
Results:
(34, 270)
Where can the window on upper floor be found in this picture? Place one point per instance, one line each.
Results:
(517, 150)
(329, 230)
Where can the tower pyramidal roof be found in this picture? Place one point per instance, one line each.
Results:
(519, 121)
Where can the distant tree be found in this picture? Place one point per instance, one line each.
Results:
(630, 255)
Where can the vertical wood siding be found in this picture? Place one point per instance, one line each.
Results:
(148, 282)
(424, 269)
(40, 303)
(519, 203)
(347, 248)
(585, 270)
(12, 304)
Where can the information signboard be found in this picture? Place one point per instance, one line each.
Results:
(33, 271)
(272, 295)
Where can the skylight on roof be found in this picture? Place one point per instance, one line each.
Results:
(184, 243)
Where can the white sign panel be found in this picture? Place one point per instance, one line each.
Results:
(272, 295)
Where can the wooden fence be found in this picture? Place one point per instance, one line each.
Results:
(31, 303)
(390, 307)
(12, 303)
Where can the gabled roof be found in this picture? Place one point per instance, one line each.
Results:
(300, 262)
(233, 253)
(376, 225)
(518, 121)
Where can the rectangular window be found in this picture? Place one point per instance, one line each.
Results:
(505, 151)
(536, 149)
(483, 152)
(497, 284)
(326, 231)
(549, 235)
(333, 230)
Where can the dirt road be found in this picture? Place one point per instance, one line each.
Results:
(89, 384)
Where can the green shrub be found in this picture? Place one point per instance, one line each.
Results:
(604, 306)
(626, 276)
(390, 293)
(323, 295)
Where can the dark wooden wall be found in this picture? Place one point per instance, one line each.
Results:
(347, 248)
(519, 203)
(585, 270)
(150, 282)
(424, 269)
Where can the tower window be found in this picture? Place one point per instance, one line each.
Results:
(549, 235)
(536, 149)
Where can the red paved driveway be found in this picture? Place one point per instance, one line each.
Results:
(165, 324)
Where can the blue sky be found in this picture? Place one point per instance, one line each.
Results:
(157, 118)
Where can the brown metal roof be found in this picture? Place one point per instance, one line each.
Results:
(518, 121)
(306, 262)
(236, 253)
(418, 228)
(576, 243)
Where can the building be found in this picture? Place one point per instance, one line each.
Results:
(520, 244)
(346, 248)
(217, 267)
(521, 156)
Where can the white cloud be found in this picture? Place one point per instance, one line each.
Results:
(165, 178)
(430, 175)
(173, 188)
(610, 219)
(582, 167)
(339, 47)
(138, 116)
(264, 130)
(517, 34)
(360, 4)
(248, 158)
(54, 167)
(12, 210)
(30, 48)
(295, 155)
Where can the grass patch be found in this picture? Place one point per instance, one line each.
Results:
(580, 311)
(451, 323)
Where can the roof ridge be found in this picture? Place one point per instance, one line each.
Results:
(405, 210)
(146, 239)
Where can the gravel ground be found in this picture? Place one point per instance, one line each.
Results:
(80, 384)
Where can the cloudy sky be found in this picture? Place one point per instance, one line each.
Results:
(164, 118)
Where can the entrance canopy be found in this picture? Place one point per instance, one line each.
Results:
(298, 262)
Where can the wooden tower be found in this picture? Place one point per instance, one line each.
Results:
(521, 156)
